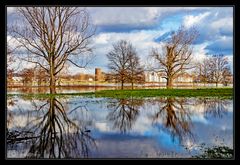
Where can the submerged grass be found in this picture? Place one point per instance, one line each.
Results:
(217, 152)
(141, 93)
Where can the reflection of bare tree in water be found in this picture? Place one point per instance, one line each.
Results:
(215, 107)
(56, 136)
(10, 102)
(124, 113)
(174, 117)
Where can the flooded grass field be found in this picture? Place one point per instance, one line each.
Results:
(89, 127)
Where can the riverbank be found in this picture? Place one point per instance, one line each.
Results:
(212, 92)
(141, 93)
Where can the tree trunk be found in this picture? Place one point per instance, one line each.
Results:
(52, 78)
(122, 84)
(169, 82)
(132, 85)
(52, 84)
(216, 84)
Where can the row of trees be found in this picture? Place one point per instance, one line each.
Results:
(55, 37)
(174, 60)
(213, 69)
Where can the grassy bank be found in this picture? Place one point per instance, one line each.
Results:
(210, 92)
(213, 92)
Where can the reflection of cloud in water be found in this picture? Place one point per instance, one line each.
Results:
(199, 117)
(103, 127)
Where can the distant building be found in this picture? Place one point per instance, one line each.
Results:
(159, 77)
(154, 77)
(184, 78)
(17, 79)
(99, 76)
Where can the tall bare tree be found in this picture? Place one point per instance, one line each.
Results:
(53, 36)
(218, 64)
(202, 70)
(10, 60)
(227, 76)
(27, 75)
(176, 55)
(135, 72)
(119, 60)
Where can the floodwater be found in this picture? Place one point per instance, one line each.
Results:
(88, 127)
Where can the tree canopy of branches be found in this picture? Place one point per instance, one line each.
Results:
(202, 71)
(53, 132)
(135, 72)
(213, 69)
(124, 63)
(27, 76)
(219, 68)
(124, 113)
(176, 55)
(175, 117)
(53, 36)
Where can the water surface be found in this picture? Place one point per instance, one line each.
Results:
(80, 127)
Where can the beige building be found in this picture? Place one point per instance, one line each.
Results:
(99, 75)
(158, 77)
(154, 77)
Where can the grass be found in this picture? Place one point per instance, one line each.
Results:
(211, 92)
(217, 152)
(141, 93)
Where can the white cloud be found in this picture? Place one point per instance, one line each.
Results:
(133, 16)
(122, 15)
(141, 40)
(190, 20)
(199, 52)
(215, 26)
(223, 23)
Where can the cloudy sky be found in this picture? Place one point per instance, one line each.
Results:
(148, 27)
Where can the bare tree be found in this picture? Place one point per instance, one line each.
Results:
(227, 76)
(119, 60)
(40, 76)
(10, 58)
(136, 72)
(218, 64)
(176, 55)
(27, 76)
(202, 70)
(52, 36)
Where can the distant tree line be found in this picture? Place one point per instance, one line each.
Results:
(214, 69)
(174, 60)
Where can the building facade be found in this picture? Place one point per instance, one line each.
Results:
(158, 77)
